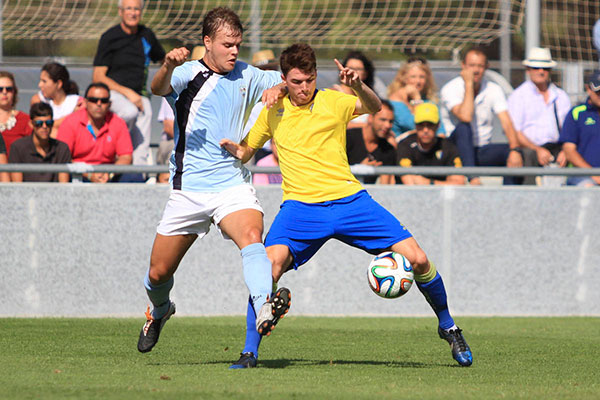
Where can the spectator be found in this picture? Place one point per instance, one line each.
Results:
(538, 108)
(58, 90)
(469, 103)
(412, 85)
(121, 62)
(581, 134)
(369, 144)
(13, 124)
(40, 148)
(425, 148)
(95, 135)
(271, 160)
(165, 148)
(4, 177)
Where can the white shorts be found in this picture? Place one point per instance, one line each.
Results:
(193, 212)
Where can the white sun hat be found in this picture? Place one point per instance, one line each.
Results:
(539, 57)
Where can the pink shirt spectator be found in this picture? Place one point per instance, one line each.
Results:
(113, 139)
(266, 179)
(538, 120)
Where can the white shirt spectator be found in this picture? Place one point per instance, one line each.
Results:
(489, 101)
(536, 119)
(64, 109)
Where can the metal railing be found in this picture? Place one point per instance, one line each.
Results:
(78, 169)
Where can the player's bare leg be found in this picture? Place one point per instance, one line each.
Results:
(167, 253)
(431, 285)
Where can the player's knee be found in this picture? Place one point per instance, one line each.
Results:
(418, 260)
(159, 273)
(254, 235)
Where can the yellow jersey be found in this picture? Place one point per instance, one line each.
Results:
(311, 145)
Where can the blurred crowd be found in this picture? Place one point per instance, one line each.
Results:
(109, 122)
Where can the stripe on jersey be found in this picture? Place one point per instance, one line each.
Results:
(182, 107)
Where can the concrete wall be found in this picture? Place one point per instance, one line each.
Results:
(82, 250)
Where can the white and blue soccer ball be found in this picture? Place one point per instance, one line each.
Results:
(390, 275)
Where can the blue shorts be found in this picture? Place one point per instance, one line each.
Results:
(357, 220)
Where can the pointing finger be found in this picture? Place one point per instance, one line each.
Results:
(339, 65)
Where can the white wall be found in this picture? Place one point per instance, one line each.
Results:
(82, 250)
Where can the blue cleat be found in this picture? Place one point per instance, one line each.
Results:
(460, 349)
(247, 360)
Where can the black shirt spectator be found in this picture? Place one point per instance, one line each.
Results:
(125, 56)
(443, 154)
(357, 151)
(24, 151)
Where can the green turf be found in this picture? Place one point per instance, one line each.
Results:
(343, 358)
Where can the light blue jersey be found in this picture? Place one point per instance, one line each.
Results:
(209, 107)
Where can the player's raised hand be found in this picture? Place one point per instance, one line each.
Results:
(176, 57)
(348, 77)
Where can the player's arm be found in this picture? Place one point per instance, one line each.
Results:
(272, 95)
(239, 150)
(161, 83)
(368, 102)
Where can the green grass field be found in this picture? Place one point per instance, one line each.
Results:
(343, 358)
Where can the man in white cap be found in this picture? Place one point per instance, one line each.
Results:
(538, 108)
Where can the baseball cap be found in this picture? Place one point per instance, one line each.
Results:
(427, 112)
(594, 81)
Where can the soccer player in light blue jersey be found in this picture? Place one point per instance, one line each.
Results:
(211, 99)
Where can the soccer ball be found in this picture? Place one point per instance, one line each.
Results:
(390, 275)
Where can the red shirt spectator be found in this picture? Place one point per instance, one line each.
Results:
(20, 129)
(111, 140)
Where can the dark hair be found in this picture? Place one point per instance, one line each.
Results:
(59, 72)
(476, 50)
(40, 110)
(96, 85)
(386, 104)
(6, 74)
(299, 55)
(218, 18)
(369, 68)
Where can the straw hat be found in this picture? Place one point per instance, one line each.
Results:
(539, 58)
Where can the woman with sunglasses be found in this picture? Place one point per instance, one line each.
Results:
(59, 91)
(412, 85)
(14, 124)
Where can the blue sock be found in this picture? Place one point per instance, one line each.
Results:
(257, 273)
(159, 296)
(435, 293)
(252, 336)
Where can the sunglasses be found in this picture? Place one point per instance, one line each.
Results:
(8, 89)
(39, 124)
(543, 68)
(103, 100)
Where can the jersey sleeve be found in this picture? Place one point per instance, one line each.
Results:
(261, 81)
(260, 132)
(181, 77)
(343, 105)
(452, 156)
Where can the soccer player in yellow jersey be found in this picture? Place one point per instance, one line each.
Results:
(321, 197)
